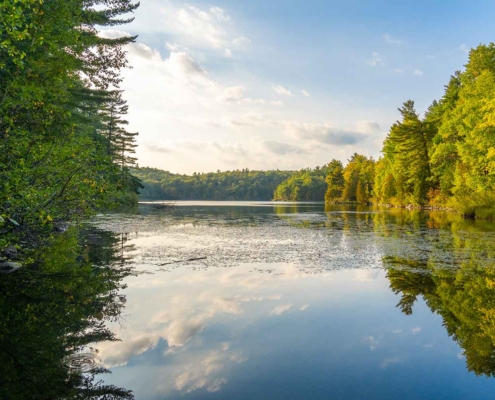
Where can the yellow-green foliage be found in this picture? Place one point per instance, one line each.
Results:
(354, 183)
(446, 158)
(305, 185)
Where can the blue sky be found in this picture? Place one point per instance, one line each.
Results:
(287, 84)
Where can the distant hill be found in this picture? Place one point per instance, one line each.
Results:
(229, 185)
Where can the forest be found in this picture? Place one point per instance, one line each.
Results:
(230, 185)
(444, 159)
(65, 149)
(305, 185)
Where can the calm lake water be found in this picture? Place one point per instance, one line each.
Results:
(301, 301)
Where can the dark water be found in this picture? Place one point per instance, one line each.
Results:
(292, 301)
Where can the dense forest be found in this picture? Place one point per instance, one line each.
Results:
(305, 185)
(444, 159)
(230, 185)
(65, 149)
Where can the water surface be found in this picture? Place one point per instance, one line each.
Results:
(288, 301)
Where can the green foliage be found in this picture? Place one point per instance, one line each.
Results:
(305, 185)
(446, 158)
(54, 158)
(230, 185)
(53, 310)
(406, 150)
(352, 184)
(358, 179)
(335, 181)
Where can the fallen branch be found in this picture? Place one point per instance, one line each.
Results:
(181, 261)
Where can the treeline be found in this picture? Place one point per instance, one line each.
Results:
(64, 147)
(444, 159)
(229, 185)
(305, 185)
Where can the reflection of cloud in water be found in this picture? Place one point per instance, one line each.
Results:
(389, 361)
(186, 317)
(373, 342)
(204, 373)
(365, 275)
(117, 354)
(178, 309)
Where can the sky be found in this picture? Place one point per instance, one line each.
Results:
(286, 84)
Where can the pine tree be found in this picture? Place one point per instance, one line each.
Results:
(407, 147)
(335, 181)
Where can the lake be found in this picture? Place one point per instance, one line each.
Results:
(301, 300)
(252, 300)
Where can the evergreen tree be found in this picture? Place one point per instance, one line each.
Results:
(335, 181)
(406, 146)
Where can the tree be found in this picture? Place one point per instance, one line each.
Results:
(407, 150)
(54, 69)
(358, 179)
(335, 181)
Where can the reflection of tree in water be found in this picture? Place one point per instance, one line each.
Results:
(464, 296)
(53, 310)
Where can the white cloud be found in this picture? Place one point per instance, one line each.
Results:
(280, 148)
(390, 39)
(464, 48)
(112, 33)
(416, 330)
(397, 331)
(418, 72)
(241, 41)
(188, 25)
(233, 93)
(376, 60)
(303, 307)
(430, 56)
(279, 310)
(281, 90)
(399, 71)
(174, 98)
(235, 149)
(305, 93)
(368, 127)
(156, 148)
(325, 134)
(199, 27)
(219, 14)
(228, 53)
(177, 48)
